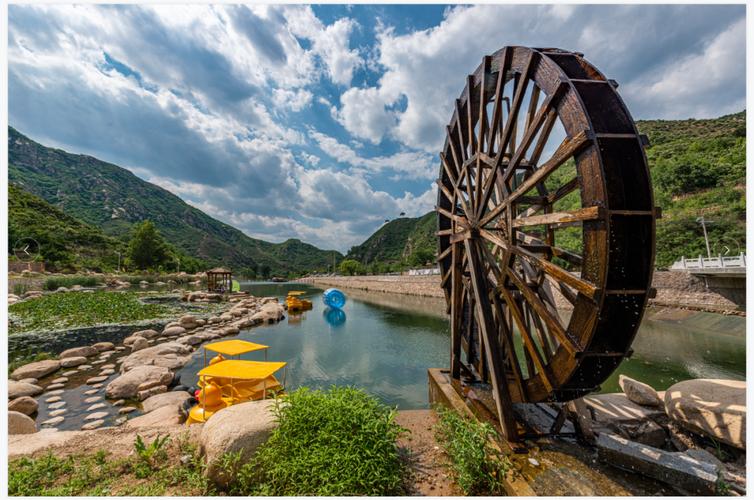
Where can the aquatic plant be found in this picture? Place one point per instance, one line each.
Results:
(78, 309)
(336, 442)
(69, 281)
(476, 465)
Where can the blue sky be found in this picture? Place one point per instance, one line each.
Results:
(320, 122)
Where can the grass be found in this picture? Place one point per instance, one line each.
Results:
(53, 284)
(98, 474)
(476, 465)
(336, 442)
(79, 309)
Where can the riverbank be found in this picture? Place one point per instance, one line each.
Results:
(674, 289)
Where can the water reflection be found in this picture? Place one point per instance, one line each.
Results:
(334, 316)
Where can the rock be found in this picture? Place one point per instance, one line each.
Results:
(85, 351)
(121, 420)
(52, 393)
(25, 445)
(126, 409)
(188, 322)
(152, 391)
(97, 385)
(95, 380)
(130, 340)
(31, 380)
(25, 404)
(139, 344)
(98, 362)
(55, 413)
(269, 313)
(705, 456)
(96, 415)
(93, 399)
(83, 368)
(120, 402)
(96, 406)
(238, 428)
(56, 405)
(18, 423)
(56, 386)
(109, 365)
(164, 416)
(106, 372)
(649, 433)
(53, 421)
(18, 389)
(53, 399)
(191, 340)
(173, 331)
(61, 289)
(103, 346)
(713, 407)
(37, 369)
(138, 379)
(171, 355)
(91, 391)
(639, 392)
(166, 399)
(60, 380)
(74, 361)
(230, 330)
(120, 348)
(617, 408)
(92, 425)
(147, 334)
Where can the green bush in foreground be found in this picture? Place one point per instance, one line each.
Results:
(475, 463)
(336, 442)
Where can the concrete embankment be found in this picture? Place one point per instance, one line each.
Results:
(674, 289)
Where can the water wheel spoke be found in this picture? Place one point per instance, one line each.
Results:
(536, 245)
(510, 347)
(497, 109)
(459, 129)
(455, 313)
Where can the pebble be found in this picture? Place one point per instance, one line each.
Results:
(109, 365)
(107, 371)
(92, 425)
(534, 462)
(56, 391)
(55, 386)
(70, 372)
(84, 367)
(53, 399)
(96, 406)
(93, 399)
(56, 405)
(121, 420)
(53, 421)
(126, 409)
(120, 402)
(91, 391)
(96, 415)
(95, 380)
(60, 380)
(55, 413)
(97, 386)
(120, 348)
(99, 361)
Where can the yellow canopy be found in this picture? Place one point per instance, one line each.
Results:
(242, 369)
(234, 347)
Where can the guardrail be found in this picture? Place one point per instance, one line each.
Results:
(719, 262)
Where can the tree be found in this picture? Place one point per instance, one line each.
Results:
(351, 267)
(147, 248)
(264, 271)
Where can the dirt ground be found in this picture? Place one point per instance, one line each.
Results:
(429, 474)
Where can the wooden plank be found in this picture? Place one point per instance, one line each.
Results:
(580, 215)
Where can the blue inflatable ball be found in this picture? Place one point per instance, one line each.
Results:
(334, 298)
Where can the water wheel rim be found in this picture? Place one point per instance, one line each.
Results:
(617, 205)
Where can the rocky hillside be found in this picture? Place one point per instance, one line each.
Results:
(113, 199)
(410, 241)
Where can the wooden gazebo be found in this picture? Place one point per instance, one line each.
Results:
(219, 280)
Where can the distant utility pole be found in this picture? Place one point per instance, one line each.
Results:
(704, 230)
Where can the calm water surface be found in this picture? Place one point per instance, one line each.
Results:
(384, 343)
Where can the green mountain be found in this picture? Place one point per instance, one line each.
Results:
(66, 243)
(408, 241)
(113, 199)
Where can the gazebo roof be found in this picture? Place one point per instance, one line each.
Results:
(219, 270)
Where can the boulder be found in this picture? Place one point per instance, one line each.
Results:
(267, 300)
(713, 407)
(140, 378)
(230, 330)
(639, 392)
(104, 346)
(617, 408)
(25, 404)
(173, 331)
(175, 399)
(147, 334)
(18, 423)
(37, 369)
(139, 344)
(19, 389)
(74, 361)
(152, 391)
(238, 428)
(85, 351)
(270, 312)
(188, 322)
(30, 380)
(171, 355)
(163, 416)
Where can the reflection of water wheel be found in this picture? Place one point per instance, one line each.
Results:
(544, 200)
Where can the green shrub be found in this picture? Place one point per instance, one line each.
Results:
(53, 284)
(475, 463)
(336, 442)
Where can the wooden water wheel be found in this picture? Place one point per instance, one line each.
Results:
(546, 227)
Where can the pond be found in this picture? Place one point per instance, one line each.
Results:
(384, 343)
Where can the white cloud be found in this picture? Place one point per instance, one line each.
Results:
(363, 113)
(295, 100)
